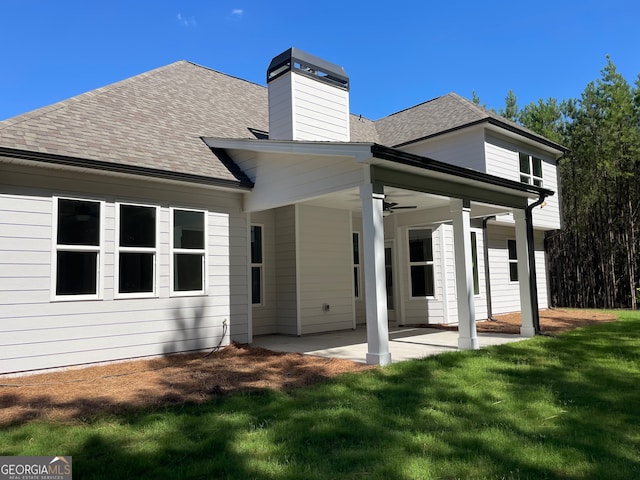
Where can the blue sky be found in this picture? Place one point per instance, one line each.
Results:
(397, 54)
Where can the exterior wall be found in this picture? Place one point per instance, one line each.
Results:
(442, 307)
(325, 263)
(503, 298)
(359, 303)
(40, 333)
(264, 316)
(302, 108)
(286, 271)
(462, 148)
(502, 160)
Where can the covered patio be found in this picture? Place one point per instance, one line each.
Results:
(336, 174)
(405, 343)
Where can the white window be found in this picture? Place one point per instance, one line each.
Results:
(530, 169)
(188, 256)
(256, 264)
(137, 238)
(356, 264)
(513, 260)
(78, 247)
(421, 263)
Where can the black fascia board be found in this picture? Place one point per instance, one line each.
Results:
(410, 159)
(244, 184)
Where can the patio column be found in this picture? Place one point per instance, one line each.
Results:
(527, 328)
(467, 334)
(372, 198)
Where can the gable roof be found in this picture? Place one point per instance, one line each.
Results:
(441, 115)
(152, 120)
(154, 124)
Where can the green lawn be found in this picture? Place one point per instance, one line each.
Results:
(565, 408)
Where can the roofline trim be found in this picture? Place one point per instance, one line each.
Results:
(394, 155)
(531, 136)
(123, 168)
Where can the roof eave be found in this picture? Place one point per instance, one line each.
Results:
(100, 165)
(398, 156)
(560, 149)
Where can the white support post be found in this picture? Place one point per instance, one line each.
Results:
(526, 307)
(374, 276)
(467, 334)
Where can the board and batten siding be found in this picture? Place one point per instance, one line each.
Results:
(38, 333)
(326, 269)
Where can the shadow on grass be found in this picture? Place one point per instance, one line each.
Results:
(553, 408)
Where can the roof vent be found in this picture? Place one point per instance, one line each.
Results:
(308, 98)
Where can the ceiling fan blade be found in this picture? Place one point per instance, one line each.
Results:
(403, 207)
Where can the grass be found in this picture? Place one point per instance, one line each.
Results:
(556, 408)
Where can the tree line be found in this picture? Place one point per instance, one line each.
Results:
(594, 259)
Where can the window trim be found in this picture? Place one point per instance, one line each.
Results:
(426, 263)
(118, 249)
(257, 265)
(511, 261)
(357, 278)
(204, 253)
(55, 248)
(530, 176)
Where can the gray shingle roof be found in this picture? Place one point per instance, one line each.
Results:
(440, 115)
(156, 120)
(153, 120)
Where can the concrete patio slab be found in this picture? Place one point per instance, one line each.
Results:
(405, 343)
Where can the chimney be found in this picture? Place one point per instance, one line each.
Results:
(308, 98)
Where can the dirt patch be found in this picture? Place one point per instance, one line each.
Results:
(551, 321)
(75, 395)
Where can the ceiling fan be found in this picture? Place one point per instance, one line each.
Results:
(389, 207)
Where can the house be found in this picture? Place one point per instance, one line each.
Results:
(183, 208)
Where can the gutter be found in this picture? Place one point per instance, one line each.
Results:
(405, 158)
(531, 250)
(101, 165)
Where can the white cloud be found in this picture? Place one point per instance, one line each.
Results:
(237, 12)
(186, 21)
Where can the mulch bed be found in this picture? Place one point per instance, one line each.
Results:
(77, 394)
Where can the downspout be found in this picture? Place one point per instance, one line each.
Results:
(487, 275)
(531, 250)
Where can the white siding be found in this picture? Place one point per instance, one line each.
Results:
(505, 296)
(302, 108)
(37, 333)
(503, 161)
(265, 315)
(286, 271)
(463, 148)
(325, 269)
